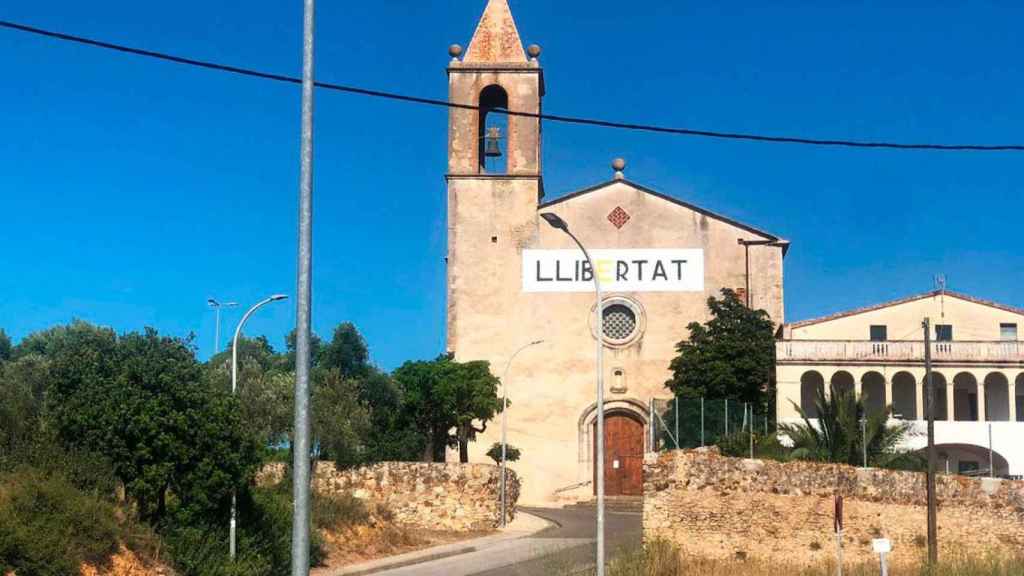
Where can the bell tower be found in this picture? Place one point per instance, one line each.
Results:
(494, 171)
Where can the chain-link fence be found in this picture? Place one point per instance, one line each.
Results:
(693, 422)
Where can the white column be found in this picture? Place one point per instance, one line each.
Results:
(982, 402)
(889, 401)
(922, 397)
(950, 402)
(1012, 390)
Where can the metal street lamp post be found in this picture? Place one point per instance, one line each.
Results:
(504, 428)
(216, 305)
(234, 390)
(559, 224)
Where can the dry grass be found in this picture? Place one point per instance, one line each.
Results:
(663, 559)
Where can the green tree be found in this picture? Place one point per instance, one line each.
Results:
(141, 401)
(473, 391)
(732, 355)
(840, 429)
(512, 454)
(445, 400)
(340, 420)
(6, 350)
(347, 352)
(22, 393)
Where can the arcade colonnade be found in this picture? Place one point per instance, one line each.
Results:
(962, 393)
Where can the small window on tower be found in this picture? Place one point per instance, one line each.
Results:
(493, 130)
(879, 333)
(944, 332)
(1008, 332)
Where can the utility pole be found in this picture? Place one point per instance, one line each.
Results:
(301, 447)
(933, 539)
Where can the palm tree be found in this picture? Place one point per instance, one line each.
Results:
(838, 435)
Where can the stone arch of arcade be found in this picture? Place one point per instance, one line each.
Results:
(962, 395)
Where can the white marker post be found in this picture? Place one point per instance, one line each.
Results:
(882, 546)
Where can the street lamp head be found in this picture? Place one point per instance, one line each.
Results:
(212, 302)
(555, 222)
(277, 297)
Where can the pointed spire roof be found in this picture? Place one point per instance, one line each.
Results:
(496, 40)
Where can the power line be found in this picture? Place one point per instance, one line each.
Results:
(550, 117)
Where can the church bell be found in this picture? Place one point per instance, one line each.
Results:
(492, 147)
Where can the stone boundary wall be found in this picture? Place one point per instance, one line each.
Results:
(732, 508)
(432, 496)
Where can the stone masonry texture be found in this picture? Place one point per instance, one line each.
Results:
(730, 508)
(448, 497)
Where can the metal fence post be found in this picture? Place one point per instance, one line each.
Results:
(677, 422)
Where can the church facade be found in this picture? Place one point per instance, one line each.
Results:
(519, 288)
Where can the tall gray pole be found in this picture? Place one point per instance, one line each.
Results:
(556, 222)
(991, 460)
(216, 331)
(933, 539)
(504, 429)
(304, 284)
(234, 390)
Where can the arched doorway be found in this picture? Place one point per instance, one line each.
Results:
(843, 383)
(1019, 397)
(904, 396)
(997, 398)
(968, 460)
(965, 397)
(810, 383)
(873, 392)
(623, 454)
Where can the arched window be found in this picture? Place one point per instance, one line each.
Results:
(843, 383)
(493, 130)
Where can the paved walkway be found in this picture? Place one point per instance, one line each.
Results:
(528, 548)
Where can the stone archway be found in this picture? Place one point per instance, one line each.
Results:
(873, 392)
(965, 397)
(997, 397)
(1019, 397)
(843, 383)
(904, 396)
(811, 382)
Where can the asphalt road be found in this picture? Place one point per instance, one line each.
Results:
(622, 530)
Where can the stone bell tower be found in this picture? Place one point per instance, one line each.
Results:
(494, 178)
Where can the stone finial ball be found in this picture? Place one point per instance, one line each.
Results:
(455, 50)
(619, 164)
(533, 50)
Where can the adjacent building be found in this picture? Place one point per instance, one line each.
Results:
(879, 351)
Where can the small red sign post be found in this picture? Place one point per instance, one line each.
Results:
(838, 525)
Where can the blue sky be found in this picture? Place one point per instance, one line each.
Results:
(135, 189)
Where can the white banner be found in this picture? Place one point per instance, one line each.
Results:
(644, 270)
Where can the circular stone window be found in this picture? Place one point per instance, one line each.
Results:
(622, 321)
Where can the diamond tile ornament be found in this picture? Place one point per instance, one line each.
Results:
(618, 217)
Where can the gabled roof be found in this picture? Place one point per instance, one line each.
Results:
(777, 240)
(890, 304)
(496, 40)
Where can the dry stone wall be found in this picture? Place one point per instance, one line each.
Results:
(730, 508)
(433, 496)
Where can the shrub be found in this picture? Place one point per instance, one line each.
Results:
(264, 538)
(49, 528)
(334, 511)
(512, 453)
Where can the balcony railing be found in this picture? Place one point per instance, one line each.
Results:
(860, 351)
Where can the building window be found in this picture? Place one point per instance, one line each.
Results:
(879, 333)
(619, 322)
(944, 332)
(1008, 332)
(623, 321)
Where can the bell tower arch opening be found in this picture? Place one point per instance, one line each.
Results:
(493, 130)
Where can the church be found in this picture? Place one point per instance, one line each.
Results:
(520, 293)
